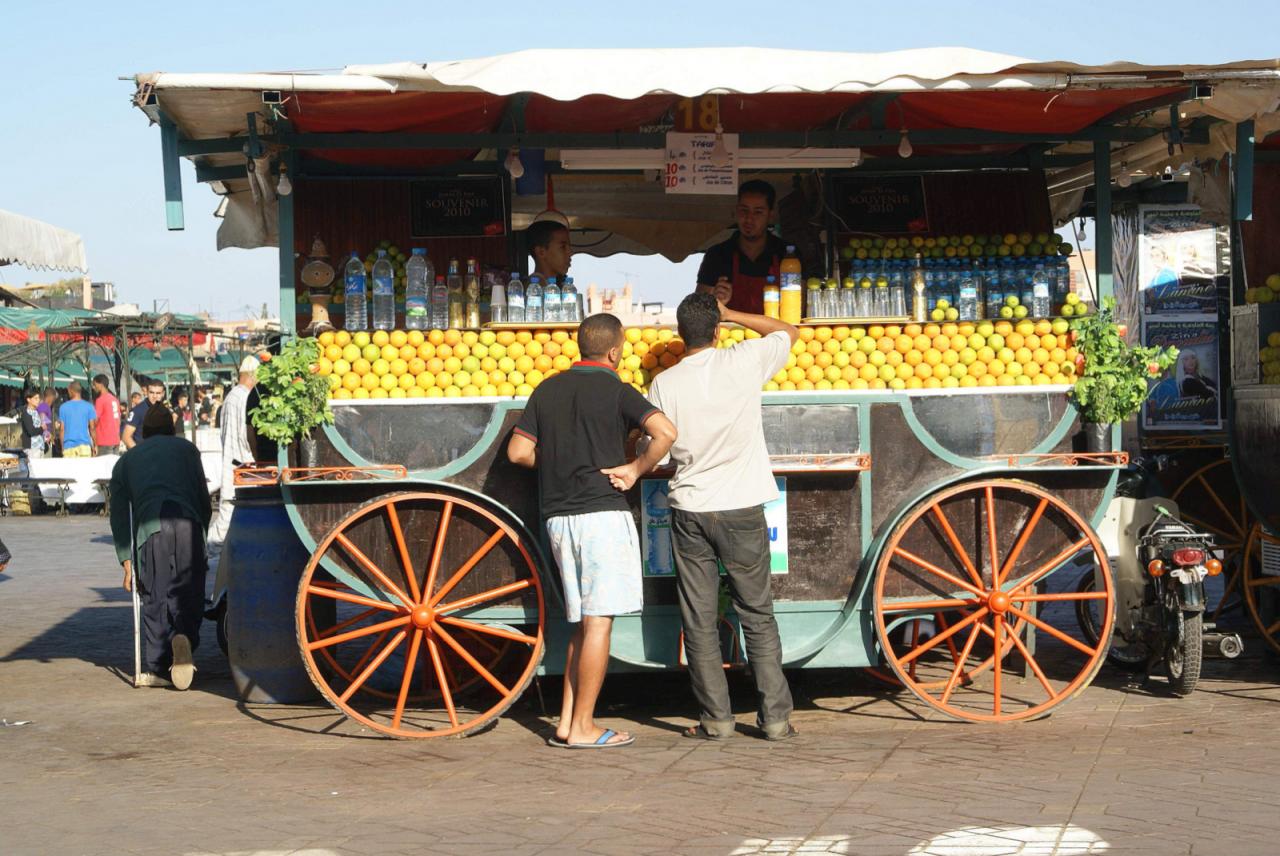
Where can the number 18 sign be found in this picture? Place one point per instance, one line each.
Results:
(690, 166)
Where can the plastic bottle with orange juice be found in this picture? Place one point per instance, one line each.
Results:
(792, 295)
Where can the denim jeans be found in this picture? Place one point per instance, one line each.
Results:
(740, 541)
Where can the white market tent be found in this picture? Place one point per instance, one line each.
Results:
(416, 117)
(38, 245)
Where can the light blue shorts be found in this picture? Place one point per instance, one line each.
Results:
(599, 559)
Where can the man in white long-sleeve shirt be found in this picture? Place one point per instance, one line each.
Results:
(235, 451)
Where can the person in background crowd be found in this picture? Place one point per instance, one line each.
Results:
(204, 407)
(235, 452)
(181, 410)
(77, 424)
(723, 481)
(133, 426)
(33, 442)
(107, 408)
(4, 555)
(47, 418)
(134, 400)
(160, 486)
(573, 432)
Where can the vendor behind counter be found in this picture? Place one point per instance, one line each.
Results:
(735, 270)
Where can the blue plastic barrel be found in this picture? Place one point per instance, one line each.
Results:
(264, 561)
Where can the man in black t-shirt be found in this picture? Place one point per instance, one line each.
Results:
(573, 431)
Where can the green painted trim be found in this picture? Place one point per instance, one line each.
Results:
(865, 478)
(304, 535)
(288, 288)
(172, 167)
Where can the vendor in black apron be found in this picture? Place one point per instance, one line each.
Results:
(735, 270)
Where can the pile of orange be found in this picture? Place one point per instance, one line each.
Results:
(467, 364)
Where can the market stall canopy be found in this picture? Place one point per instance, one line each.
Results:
(999, 111)
(38, 245)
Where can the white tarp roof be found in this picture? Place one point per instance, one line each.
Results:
(38, 245)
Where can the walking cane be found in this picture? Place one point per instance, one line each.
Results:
(137, 601)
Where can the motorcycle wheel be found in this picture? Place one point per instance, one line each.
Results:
(1130, 658)
(1182, 664)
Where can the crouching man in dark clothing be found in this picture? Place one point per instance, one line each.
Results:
(160, 484)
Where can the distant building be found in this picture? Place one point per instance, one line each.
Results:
(68, 294)
(630, 312)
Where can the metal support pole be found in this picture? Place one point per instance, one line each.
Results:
(1102, 224)
(172, 174)
(1243, 209)
(288, 296)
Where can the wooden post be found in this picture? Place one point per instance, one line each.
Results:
(1102, 217)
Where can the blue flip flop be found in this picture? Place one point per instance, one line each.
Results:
(557, 742)
(603, 742)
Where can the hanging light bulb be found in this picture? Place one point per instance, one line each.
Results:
(284, 186)
(904, 145)
(1124, 179)
(720, 152)
(1080, 233)
(513, 165)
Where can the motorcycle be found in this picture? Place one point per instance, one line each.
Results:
(1160, 566)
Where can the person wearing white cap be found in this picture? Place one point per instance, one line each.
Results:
(235, 451)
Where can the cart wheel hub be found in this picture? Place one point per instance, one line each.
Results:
(422, 617)
(999, 602)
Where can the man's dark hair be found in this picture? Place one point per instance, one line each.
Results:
(74, 388)
(153, 381)
(48, 390)
(597, 334)
(697, 317)
(541, 233)
(102, 379)
(159, 420)
(762, 188)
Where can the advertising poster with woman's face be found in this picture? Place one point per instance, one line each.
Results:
(1177, 261)
(1186, 395)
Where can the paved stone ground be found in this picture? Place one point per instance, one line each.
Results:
(103, 768)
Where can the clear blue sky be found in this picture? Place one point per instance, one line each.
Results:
(73, 151)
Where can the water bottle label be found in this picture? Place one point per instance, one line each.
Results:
(384, 286)
(535, 303)
(415, 306)
(515, 300)
(355, 284)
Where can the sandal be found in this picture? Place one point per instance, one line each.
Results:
(699, 732)
(604, 741)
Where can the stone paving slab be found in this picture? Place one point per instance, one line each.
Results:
(106, 769)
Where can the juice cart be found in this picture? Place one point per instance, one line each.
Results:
(931, 500)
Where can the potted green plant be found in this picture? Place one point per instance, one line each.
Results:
(294, 397)
(1112, 376)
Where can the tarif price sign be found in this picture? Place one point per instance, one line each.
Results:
(695, 166)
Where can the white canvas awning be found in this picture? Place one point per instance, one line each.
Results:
(38, 245)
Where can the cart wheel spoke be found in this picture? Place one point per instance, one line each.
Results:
(402, 547)
(997, 672)
(484, 596)
(348, 597)
(408, 677)
(501, 633)
(1226, 515)
(989, 497)
(939, 638)
(1033, 665)
(342, 625)
(1259, 582)
(467, 566)
(373, 667)
(365, 562)
(937, 572)
(1012, 559)
(329, 641)
(437, 663)
(1049, 566)
(1059, 596)
(437, 550)
(959, 549)
(1055, 632)
(960, 661)
(364, 658)
(471, 661)
(929, 605)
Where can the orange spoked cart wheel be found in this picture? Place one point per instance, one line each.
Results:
(978, 561)
(1258, 580)
(432, 625)
(1211, 500)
